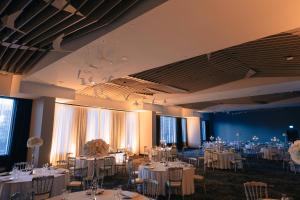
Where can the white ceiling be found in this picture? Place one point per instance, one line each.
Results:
(174, 31)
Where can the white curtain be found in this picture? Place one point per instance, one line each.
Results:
(74, 126)
(62, 132)
(132, 131)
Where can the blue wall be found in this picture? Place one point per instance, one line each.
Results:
(262, 123)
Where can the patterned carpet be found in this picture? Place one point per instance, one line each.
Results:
(228, 185)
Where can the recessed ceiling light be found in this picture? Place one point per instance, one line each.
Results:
(289, 58)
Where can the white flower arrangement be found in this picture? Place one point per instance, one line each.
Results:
(294, 151)
(34, 142)
(96, 148)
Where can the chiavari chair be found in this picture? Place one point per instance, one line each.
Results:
(42, 187)
(255, 190)
(174, 182)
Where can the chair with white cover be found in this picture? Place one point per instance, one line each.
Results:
(150, 189)
(255, 190)
(42, 187)
(174, 182)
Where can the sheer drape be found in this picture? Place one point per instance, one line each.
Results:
(62, 132)
(132, 131)
(74, 126)
(117, 134)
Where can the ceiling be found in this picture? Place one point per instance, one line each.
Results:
(32, 28)
(266, 57)
(212, 54)
(259, 99)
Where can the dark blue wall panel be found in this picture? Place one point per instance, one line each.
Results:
(262, 123)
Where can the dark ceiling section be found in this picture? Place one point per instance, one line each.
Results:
(30, 27)
(277, 55)
(197, 73)
(261, 99)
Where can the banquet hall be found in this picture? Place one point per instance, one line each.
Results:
(149, 99)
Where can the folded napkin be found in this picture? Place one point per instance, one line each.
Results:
(6, 179)
(4, 174)
(129, 195)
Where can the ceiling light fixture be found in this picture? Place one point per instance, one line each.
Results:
(135, 103)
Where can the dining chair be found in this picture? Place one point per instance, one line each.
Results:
(42, 187)
(146, 152)
(77, 179)
(62, 164)
(109, 164)
(150, 189)
(199, 179)
(175, 175)
(133, 179)
(22, 166)
(173, 154)
(292, 166)
(255, 190)
(237, 161)
(121, 166)
(71, 162)
(154, 154)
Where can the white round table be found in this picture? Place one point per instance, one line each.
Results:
(23, 184)
(223, 159)
(157, 171)
(106, 195)
(269, 152)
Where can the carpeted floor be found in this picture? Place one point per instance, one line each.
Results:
(228, 185)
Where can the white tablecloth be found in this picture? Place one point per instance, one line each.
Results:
(24, 183)
(269, 152)
(106, 195)
(88, 162)
(223, 159)
(157, 171)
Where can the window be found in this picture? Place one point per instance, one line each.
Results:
(168, 129)
(203, 130)
(184, 131)
(6, 115)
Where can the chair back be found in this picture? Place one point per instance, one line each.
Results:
(80, 173)
(175, 174)
(150, 188)
(130, 168)
(255, 190)
(22, 166)
(71, 162)
(42, 187)
(109, 161)
(62, 164)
